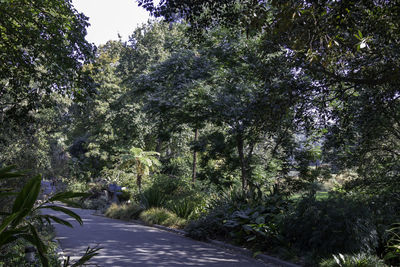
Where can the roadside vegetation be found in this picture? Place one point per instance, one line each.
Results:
(273, 125)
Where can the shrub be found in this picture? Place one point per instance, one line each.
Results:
(358, 260)
(163, 217)
(25, 221)
(178, 166)
(172, 187)
(338, 224)
(124, 196)
(172, 193)
(393, 246)
(255, 227)
(385, 213)
(248, 217)
(152, 197)
(210, 225)
(101, 204)
(124, 211)
(183, 208)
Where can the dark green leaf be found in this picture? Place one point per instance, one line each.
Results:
(64, 210)
(56, 219)
(28, 195)
(90, 253)
(7, 221)
(8, 172)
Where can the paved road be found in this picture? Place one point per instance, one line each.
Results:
(128, 244)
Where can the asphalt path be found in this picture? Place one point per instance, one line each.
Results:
(128, 244)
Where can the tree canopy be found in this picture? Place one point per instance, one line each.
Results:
(42, 50)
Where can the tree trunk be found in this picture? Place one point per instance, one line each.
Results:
(139, 182)
(196, 138)
(159, 145)
(242, 160)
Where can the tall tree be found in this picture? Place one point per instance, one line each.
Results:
(42, 50)
(350, 49)
(177, 93)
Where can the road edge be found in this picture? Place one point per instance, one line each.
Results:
(262, 257)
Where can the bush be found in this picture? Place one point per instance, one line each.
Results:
(224, 207)
(13, 254)
(183, 208)
(124, 196)
(338, 224)
(178, 166)
(152, 197)
(172, 193)
(385, 213)
(124, 211)
(172, 187)
(392, 254)
(255, 227)
(101, 204)
(162, 216)
(210, 225)
(358, 260)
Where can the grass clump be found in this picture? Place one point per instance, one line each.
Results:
(358, 260)
(124, 211)
(162, 216)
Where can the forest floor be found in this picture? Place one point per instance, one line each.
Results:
(128, 244)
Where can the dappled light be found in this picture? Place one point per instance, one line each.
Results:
(128, 244)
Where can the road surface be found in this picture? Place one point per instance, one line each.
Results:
(129, 244)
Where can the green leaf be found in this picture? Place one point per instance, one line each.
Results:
(255, 254)
(7, 172)
(390, 255)
(9, 236)
(260, 220)
(7, 221)
(28, 195)
(251, 238)
(35, 240)
(4, 194)
(40, 245)
(56, 219)
(90, 253)
(64, 210)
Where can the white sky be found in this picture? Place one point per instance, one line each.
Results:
(110, 17)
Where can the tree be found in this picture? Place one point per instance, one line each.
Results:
(176, 91)
(257, 97)
(42, 50)
(142, 162)
(97, 125)
(348, 49)
(149, 44)
(336, 37)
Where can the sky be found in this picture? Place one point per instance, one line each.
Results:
(108, 18)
